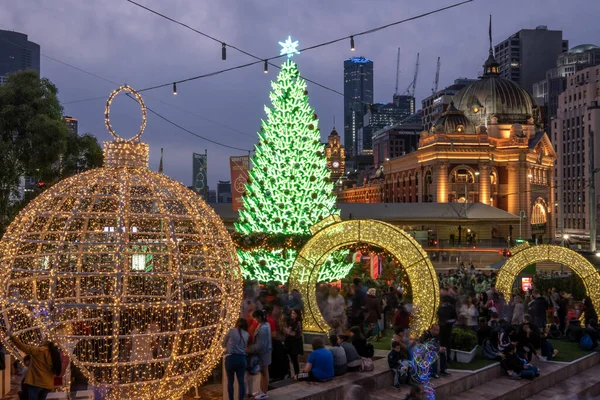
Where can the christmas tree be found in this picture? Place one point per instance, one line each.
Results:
(289, 189)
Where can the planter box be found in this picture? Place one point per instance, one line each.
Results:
(464, 357)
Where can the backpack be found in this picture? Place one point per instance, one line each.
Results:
(370, 350)
(586, 342)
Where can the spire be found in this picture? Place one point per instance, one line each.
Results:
(491, 50)
(491, 66)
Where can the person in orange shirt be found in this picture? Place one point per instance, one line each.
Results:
(46, 363)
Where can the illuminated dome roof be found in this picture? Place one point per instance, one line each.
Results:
(453, 121)
(583, 48)
(493, 96)
(112, 262)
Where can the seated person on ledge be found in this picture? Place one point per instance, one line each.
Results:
(491, 349)
(319, 367)
(340, 363)
(353, 360)
(517, 367)
(432, 336)
(398, 360)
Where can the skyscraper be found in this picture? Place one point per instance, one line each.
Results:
(526, 55)
(546, 92)
(17, 54)
(574, 131)
(379, 116)
(72, 124)
(435, 105)
(358, 93)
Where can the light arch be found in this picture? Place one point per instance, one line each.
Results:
(524, 255)
(332, 234)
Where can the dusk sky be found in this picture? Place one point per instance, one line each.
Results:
(123, 43)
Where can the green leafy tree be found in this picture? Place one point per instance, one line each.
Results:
(289, 189)
(35, 141)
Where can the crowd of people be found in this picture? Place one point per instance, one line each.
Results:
(268, 339)
(267, 342)
(513, 331)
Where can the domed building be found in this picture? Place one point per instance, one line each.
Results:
(486, 149)
(493, 97)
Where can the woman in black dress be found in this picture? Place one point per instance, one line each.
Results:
(293, 339)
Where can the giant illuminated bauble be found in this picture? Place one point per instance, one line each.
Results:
(128, 271)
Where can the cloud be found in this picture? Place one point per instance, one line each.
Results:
(124, 43)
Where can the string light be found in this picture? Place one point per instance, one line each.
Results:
(351, 43)
(260, 59)
(174, 88)
(335, 234)
(129, 272)
(524, 255)
(223, 51)
(266, 69)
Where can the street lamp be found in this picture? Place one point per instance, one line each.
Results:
(522, 216)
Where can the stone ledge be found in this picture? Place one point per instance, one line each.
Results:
(584, 385)
(382, 378)
(546, 380)
(552, 373)
(335, 389)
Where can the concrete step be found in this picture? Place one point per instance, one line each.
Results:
(390, 393)
(556, 379)
(584, 385)
(551, 374)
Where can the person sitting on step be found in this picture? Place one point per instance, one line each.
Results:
(517, 367)
(398, 360)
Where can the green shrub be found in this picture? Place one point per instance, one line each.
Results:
(463, 340)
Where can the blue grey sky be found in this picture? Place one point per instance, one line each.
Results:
(125, 44)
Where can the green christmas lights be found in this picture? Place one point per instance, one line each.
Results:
(288, 189)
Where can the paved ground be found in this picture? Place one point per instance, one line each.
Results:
(211, 391)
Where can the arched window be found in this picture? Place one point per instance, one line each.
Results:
(538, 214)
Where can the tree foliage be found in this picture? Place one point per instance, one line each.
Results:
(35, 141)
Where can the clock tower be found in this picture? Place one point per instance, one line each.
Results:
(334, 151)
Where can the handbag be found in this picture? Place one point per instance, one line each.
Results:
(253, 364)
(367, 365)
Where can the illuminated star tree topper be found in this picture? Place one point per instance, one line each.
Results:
(289, 48)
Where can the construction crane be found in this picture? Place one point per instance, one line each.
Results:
(437, 77)
(410, 90)
(397, 71)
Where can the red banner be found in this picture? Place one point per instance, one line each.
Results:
(239, 166)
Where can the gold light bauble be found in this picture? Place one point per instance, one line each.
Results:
(126, 270)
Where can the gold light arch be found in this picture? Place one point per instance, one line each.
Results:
(524, 255)
(332, 234)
